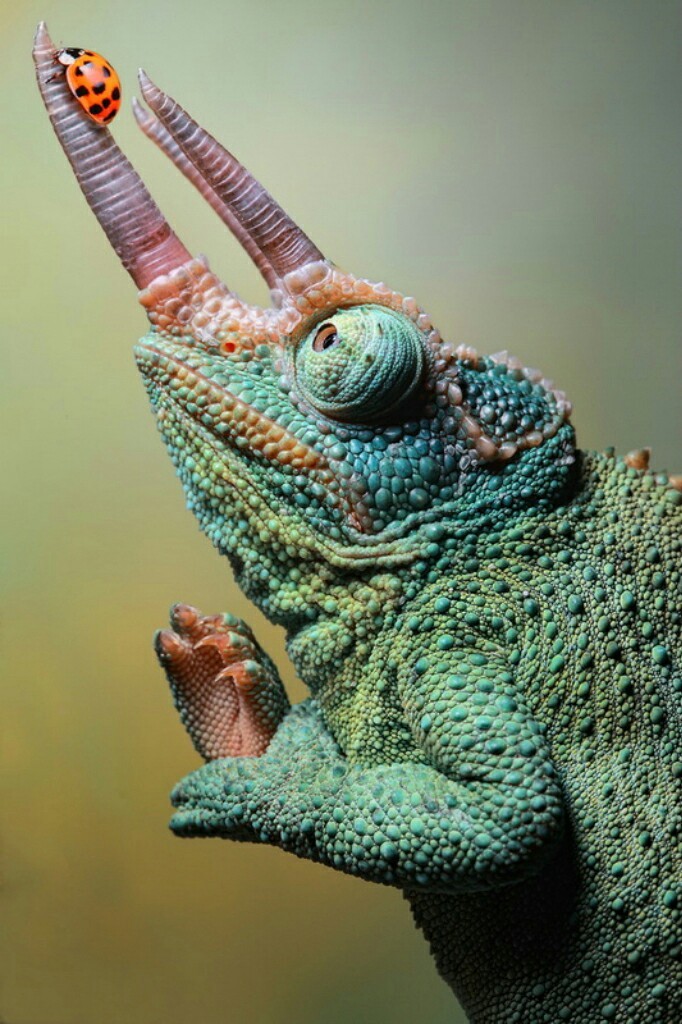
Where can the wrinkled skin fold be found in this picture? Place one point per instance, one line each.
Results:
(488, 619)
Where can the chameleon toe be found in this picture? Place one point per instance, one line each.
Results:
(169, 647)
(184, 618)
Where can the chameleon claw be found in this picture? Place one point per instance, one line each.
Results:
(183, 617)
(168, 646)
(245, 675)
(228, 649)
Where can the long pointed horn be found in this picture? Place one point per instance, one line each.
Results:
(283, 243)
(141, 237)
(159, 135)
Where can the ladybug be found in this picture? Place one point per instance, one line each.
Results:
(93, 82)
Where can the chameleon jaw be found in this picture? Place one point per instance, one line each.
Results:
(234, 421)
(231, 425)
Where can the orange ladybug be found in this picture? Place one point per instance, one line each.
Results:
(93, 82)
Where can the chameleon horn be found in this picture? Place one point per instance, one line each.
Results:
(282, 243)
(155, 131)
(141, 237)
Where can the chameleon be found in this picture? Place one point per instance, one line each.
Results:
(488, 619)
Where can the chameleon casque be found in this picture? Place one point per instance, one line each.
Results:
(488, 619)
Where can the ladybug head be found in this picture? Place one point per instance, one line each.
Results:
(68, 55)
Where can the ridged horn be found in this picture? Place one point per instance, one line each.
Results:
(154, 130)
(138, 232)
(282, 243)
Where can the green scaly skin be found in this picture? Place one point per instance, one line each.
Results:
(488, 620)
(495, 724)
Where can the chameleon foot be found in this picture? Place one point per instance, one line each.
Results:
(227, 690)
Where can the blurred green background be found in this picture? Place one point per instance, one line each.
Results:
(516, 166)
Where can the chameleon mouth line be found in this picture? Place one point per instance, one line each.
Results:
(235, 420)
(247, 430)
(240, 425)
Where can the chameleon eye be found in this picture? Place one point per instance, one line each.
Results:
(325, 337)
(361, 364)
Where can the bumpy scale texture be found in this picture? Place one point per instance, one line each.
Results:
(488, 619)
(495, 725)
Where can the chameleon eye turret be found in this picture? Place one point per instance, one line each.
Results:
(361, 364)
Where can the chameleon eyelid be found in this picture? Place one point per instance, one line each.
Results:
(324, 333)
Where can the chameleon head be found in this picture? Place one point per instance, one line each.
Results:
(336, 425)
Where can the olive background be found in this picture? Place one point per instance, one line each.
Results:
(515, 165)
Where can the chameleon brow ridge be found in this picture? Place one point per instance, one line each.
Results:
(161, 137)
(281, 241)
(139, 233)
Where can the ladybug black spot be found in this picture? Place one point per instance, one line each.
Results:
(78, 71)
(116, 93)
(112, 113)
(95, 109)
(99, 89)
(105, 71)
(82, 90)
(105, 104)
